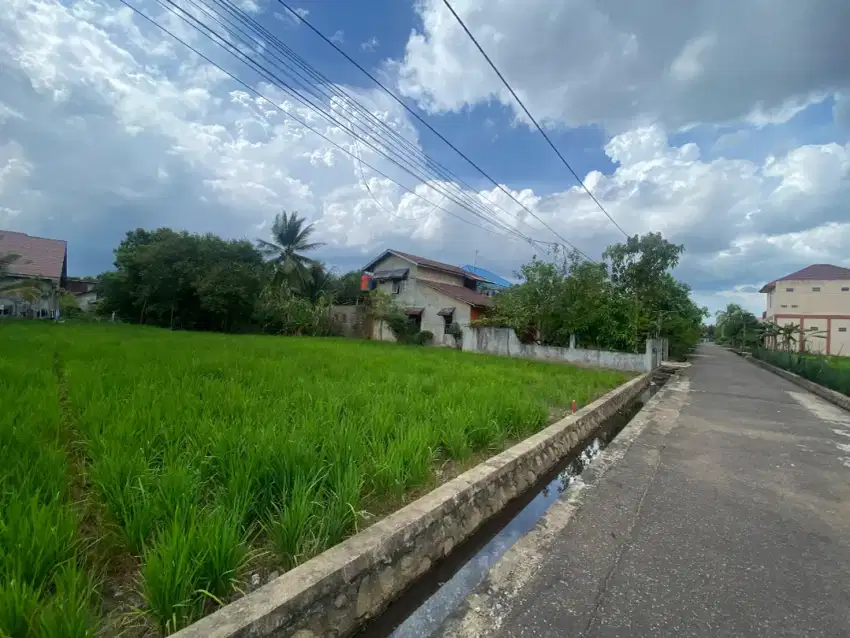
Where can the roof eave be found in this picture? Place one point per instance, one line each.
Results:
(389, 251)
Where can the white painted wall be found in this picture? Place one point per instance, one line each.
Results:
(504, 342)
(803, 298)
(416, 294)
(16, 304)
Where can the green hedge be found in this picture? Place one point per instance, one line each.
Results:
(815, 368)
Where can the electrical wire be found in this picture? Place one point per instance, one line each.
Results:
(375, 199)
(344, 101)
(300, 121)
(217, 38)
(348, 99)
(531, 117)
(428, 126)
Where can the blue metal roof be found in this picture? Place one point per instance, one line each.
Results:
(491, 277)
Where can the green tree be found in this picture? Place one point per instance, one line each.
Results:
(182, 280)
(290, 239)
(345, 288)
(738, 328)
(612, 305)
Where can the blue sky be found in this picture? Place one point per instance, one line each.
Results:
(723, 124)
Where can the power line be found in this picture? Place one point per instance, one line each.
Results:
(372, 195)
(315, 78)
(295, 117)
(531, 117)
(429, 127)
(446, 174)
(441, 188)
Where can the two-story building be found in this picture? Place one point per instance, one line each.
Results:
(435, 295)
(817, 298)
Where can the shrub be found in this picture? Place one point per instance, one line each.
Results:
(423, 337)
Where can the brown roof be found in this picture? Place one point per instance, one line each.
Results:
(37, 256)
(815, 272)
(427, 263)
(461, 294)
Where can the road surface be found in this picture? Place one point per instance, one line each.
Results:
(727, 514)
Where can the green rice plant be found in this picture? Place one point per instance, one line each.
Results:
(124, 482)
(291, 522)
(19, 607)
(35, 538)
(177, 490)
(405, 461)
(190, 443)
(71, 612)
(342, 502)
(222, 547)
(169, 575)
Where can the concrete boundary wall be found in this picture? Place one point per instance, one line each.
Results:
(842, 401)
(504, 342)
(336, 592)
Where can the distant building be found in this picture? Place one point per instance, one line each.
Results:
(40, 261)
(84, 290)
(818, 299)
(433, 294)
(492, 281)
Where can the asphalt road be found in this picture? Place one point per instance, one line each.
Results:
(729, 515)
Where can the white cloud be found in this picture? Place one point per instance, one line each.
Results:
(370, 45)
(106, 126)
(620, 63)
(338, 37)
(287, 17)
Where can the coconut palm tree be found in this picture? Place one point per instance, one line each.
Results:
(290, 239)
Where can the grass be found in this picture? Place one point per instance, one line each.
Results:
(189, 459)
(827, 370)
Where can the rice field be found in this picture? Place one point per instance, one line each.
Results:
(145, 475)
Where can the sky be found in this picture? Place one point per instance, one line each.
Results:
(723, 124)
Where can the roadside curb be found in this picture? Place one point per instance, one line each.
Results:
(836, 398)
(338, 591)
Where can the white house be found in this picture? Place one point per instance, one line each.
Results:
(39, 260)
(432, 293)
(84, 290)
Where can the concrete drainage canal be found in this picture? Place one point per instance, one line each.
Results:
(426, 604)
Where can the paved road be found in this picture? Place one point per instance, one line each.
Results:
(729, 515)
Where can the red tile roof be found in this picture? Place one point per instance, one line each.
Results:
(815, 272)
(460, 293)
(427, 263)
(37, 256)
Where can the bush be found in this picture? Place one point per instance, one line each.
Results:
(423, 338)
(818, 369)
(69, 306)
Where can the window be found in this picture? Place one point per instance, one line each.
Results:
(815, 288)
(845, 289)
(789, 290)
(397, 287)
(793, 305)
(842, 330)
(447, 323)
(784, 306)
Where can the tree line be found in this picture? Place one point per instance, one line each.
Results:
(741, 330)
(187, 281)
(613, 305)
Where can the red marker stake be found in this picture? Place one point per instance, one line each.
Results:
(574, 406)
